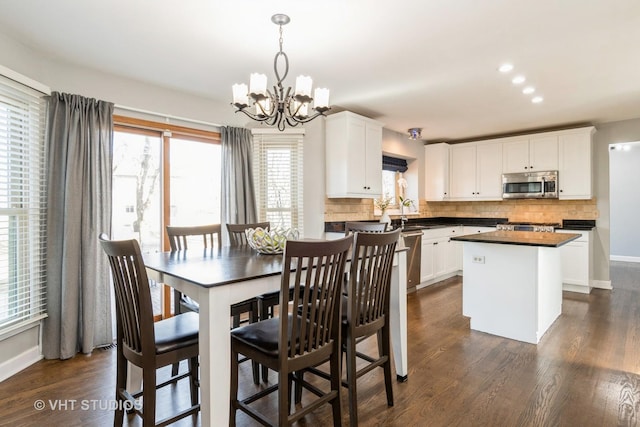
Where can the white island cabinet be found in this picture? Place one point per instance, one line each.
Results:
(512, 282)
(354, 156)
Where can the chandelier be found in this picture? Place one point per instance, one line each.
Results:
(280, 107)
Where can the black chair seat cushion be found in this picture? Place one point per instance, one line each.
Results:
(236, 309)
(263, 335)
(176, 332)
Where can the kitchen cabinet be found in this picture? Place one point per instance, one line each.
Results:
(440, 257)
(436, 163)
(353, 156)
(530, 153)
(476, 171)
(577, 269)
(575, 180)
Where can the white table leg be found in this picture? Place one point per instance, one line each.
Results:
(215, 356)
(398, 315)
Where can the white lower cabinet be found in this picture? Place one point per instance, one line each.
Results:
(440, 257)
(576, 263)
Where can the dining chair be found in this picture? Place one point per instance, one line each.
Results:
(307, 332)
(237, 236)
(365, 312)
(144, 343)
(178, 240)
(210, 233)
(369, 227)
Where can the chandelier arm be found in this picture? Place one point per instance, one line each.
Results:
(252, 116)
(286, 67)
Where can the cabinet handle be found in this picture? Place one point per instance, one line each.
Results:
(530, 167)
(525, 167)
(435, 243)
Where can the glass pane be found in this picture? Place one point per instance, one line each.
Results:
(389, 185)
(137, 209)
(195, 182)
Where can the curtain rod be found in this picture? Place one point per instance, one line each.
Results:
(167, 117)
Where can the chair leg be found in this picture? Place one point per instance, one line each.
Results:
(233, 399)
(148, 397)
(351, 379)
(121, 384)
(193, 380)
(386, 349)
(175, 368)
(283, 399)
(298, 387)
(336, 384)
(265, 374)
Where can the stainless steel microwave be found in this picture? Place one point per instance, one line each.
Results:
(530, 185)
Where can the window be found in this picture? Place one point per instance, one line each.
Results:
(162, 174)
(392, 170)
(22, 204)
(278, 179)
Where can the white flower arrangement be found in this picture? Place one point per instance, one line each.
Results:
(382, 203)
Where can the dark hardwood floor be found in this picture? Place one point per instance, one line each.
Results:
(585, 372)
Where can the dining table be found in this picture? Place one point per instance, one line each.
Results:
(218, 278)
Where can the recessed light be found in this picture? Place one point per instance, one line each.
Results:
(537, 99)
(505, 68)
(518, 80)
(528, 90)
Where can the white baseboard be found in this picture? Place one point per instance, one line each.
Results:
(576, 288)
(22, 361)
(601, 284)
(624, 258)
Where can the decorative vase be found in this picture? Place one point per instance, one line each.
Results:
(385, 218)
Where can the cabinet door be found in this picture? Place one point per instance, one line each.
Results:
(436, 173)
(574, 171)
(356, 149)
(463, 171)
(453, 257)
(543, 153)
(427, 256)
(373, 159)
(575, 263)
(489, 172)
(440, 257)
(515, 156)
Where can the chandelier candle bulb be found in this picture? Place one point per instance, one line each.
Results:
(321, 97)
(303, 86)
(258, 84)
(240, 94)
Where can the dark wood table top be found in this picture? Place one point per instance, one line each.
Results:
(213, 267)
(526, 238)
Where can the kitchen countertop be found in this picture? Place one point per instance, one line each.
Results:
(525, 238)
(413, 224)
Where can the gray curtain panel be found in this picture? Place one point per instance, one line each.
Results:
(238, 193)
(79, 144)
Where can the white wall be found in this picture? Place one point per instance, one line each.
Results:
(625, 202)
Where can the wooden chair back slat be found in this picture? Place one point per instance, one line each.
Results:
(367, 227)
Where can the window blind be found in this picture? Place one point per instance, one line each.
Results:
(278, 177)
(22, 204)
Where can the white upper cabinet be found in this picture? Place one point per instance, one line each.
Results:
(575, 180)
(353, 156)
(436, 163)
(531, 153)
(476, 171)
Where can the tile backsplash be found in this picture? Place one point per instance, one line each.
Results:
(514, 210)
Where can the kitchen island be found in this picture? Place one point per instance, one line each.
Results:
(512, 282)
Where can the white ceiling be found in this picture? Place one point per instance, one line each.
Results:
(408, 63)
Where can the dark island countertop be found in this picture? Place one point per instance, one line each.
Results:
(524, 238)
